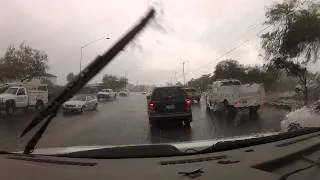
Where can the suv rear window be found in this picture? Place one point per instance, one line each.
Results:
(168, 93)
(190, 90)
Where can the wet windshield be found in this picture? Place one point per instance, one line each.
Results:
(11, 90)
(196, 70)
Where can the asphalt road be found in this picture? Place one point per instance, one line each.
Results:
(125, 121)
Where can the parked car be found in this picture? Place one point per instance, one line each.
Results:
(307, 116)
(124, 92)
(108, 94)
(230, 95)
(18, 96)
(81, 103)
(193, 93)
(169, 103)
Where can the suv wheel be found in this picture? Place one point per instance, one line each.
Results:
(253, 110)
(83, 109)
(39, 105)
(10, 109)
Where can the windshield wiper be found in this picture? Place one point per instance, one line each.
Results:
(74, 86)
(235, 144)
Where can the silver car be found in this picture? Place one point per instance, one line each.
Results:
(81, 103)
(307, 116)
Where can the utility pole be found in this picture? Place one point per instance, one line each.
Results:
(184, 77)
(175, 77)
(125, 78)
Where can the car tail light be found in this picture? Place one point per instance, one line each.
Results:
(187, 104)
(151, 106)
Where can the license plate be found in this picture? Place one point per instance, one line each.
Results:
(170, 106)
(244, 101)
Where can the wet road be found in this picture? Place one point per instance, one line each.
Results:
(125, 121)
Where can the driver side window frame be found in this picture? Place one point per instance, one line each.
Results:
(21, 90)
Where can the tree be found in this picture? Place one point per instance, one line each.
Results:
(266, 75)
(232, 69)
(201, 82)
(70, 77)
(114, 82)
(122, 82)
(294, 41)
(229, 69)
(22, 63)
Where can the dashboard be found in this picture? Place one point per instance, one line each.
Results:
(292, 159)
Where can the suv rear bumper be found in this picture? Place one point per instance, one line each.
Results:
(183, 116)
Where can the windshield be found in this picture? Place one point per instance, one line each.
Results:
(196, 70)
(79, 98)
(11, 90)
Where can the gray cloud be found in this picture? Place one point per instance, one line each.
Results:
(193, 31)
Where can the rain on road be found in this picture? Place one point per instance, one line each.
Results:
(125, 121)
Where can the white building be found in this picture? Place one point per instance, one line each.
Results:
(39, 79)
(45, 78)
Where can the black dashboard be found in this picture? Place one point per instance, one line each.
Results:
(292, 159)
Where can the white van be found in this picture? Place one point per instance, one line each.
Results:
(231, 94)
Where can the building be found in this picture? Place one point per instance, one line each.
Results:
(45, 79)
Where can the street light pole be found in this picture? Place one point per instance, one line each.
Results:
(86, 45)
(80, 58)
(184, 77)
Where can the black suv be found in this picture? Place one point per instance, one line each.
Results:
(170, 103)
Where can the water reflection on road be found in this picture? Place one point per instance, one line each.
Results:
(125, 121)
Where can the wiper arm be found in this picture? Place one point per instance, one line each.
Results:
(74, 86)
(235, 144)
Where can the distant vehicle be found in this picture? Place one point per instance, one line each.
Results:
(108, 94)
(80, 103)
(23, 96)
(307, 116)
(170, 103)
(124, 92)
(193, 93)
(144, 92)
(230, 95)
(148, 95)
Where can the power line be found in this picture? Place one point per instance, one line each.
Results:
(240, 45)
(229, 51)
(223, 55)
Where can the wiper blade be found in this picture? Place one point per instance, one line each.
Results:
(74, 86)
(235, 144)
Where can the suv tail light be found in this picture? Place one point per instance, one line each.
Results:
(151, 106)
(187, 104)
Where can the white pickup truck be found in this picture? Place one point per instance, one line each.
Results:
(107, 94)
(23, 96)
(230, 95)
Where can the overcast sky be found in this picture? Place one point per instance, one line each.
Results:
(198, 32)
